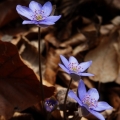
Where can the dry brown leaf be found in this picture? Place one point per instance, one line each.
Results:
(29, 53)
(8, 9)
(22, 116)
(80, 48)
(104, 66)
(52, 39)
(114, 96)
(89, 83)
(114, 100)
(51, 69)
(56, 115)
(64, 50)
(19, 86)
(117, 48)
(114, 3)
(116, 20)
(89, 28)
(74, 40)
(105, 29)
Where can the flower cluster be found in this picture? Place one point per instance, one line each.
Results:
(37, 14)
(43, 17)
(89, 100)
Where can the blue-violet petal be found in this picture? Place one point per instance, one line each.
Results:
(71, 94)
(53, 18)
(85, 74)
(81, 90)
(35, 6)
(102, 106)
(93, 94)
(97, 114)
(27, 22)
(73, 60)
(64, 68)
(24, 11)
(84, 65)
(64, 61)
(47, 8)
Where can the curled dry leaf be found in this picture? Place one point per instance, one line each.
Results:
(74, 40)
(104, 66)
(105, 29)
(80, 48)
(19, 86)
(64, 50)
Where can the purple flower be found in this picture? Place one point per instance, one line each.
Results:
(50, 104)
(73, 68)
(89, 100)
(37, 14)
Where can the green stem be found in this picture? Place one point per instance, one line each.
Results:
(40, 71)
(66, 98)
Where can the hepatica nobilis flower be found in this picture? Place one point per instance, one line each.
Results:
(89, 100)
(37, 14)
(50, 104)
(73, 68)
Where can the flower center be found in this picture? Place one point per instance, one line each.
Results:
(91, 103)
(73, 67)
(38, 17)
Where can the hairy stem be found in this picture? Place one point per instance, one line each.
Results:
(40, 71)
(66, 98)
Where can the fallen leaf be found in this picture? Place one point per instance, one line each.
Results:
(105, 29)
(104, 66)
(27, 50)
(113, 94)
(117, 48)
(22, 116)
(80, 48)
(51, 38)
(19, 86)
(51, 69)
(8, 9)
(116, 20)
(74, 40)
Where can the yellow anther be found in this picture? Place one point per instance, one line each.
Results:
(74, 68)
(38, 17)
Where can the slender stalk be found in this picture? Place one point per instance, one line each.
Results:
(48, 116)
(40, 71)
(66, 98)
